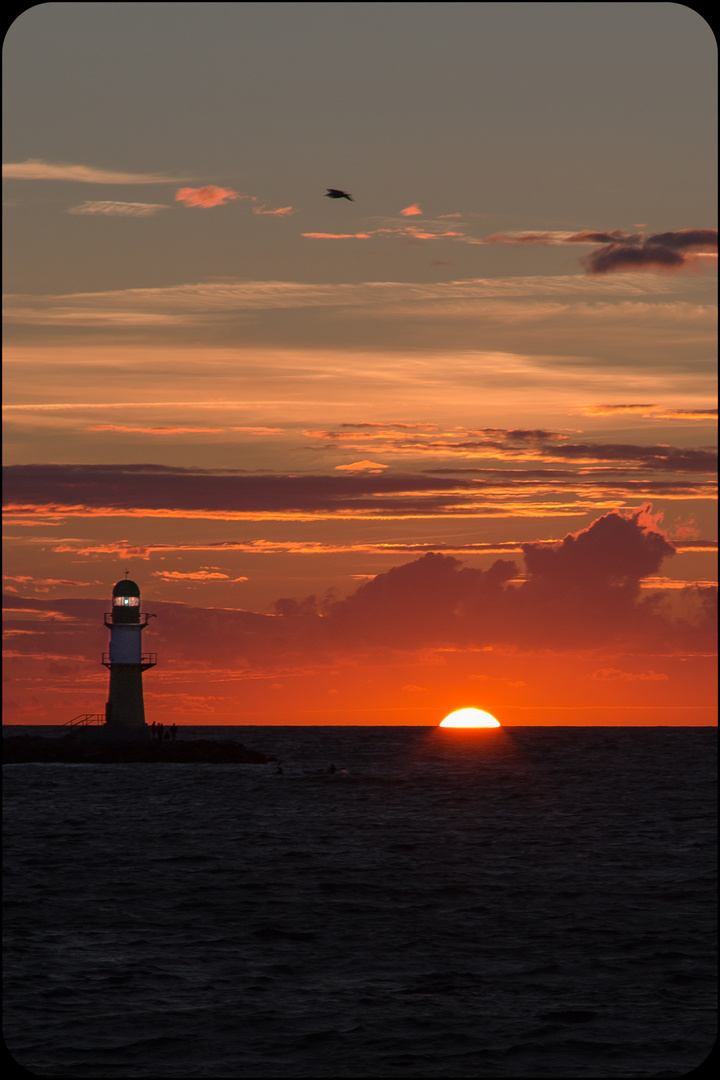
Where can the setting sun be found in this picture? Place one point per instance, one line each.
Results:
(469, 718)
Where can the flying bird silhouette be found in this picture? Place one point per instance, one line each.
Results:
(336, 193)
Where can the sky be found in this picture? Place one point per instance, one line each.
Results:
(450, 442)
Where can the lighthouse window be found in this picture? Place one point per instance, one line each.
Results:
(126, 601)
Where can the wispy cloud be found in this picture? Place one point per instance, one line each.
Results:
(615, 674)
(650, 412)
(411, 211)
(196, 575)
(517, 444)
(281, 211)
(125, 429)
(172, 430)
(402, 232)
(561, 290)
(207, 196)
(128, 549)
(338, 236)
(44, 583)
(552, 238)
(118, 209)
(35, 169)
(616, 250)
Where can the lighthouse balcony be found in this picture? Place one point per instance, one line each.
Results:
(143, 618)
(147, 660)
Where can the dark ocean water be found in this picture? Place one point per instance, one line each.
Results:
(529, 902)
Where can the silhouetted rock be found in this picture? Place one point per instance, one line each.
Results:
(84, 749)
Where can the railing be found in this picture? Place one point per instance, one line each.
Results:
(142, 621)
(148, 659)
(85, 718)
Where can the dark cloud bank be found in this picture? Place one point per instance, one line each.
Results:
(584, 592)
(618, 250)
(156, 487)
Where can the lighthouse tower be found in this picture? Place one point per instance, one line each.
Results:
(125, 660)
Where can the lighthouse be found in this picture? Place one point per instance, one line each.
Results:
(124, 710)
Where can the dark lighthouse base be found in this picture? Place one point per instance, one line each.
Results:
(115, 733)
(97, 749)
(125, 706)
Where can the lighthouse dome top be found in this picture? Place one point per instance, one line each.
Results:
(126, 588)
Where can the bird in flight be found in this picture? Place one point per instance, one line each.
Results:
(336, 193)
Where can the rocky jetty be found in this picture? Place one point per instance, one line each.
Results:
(82, 748)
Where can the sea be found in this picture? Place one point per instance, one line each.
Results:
(378, 902)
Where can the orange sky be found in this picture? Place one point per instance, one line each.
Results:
(449, 444)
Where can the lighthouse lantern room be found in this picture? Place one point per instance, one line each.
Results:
(126, 660)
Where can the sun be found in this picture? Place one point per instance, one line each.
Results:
(469, 718)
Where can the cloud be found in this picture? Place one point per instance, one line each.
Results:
(546, 238)
(118, 209)
(35, 169)
(338, 236)
(614, 553)
(403, 232)
(420, 601)
(661, 251)
(651, 412)
(684, 530)
(579, 592)
(57, 491)
(399, 425)
(170, 491)
(682, 542)
(207, 196)
(281, 211)
(430, 623)
(616, 674)
(44, 583)
(644, 409)
(621, 251)
(361, 466)
(411, 211)
(412, 232)
(517, 444)
(197, 575)
(454, 304)
(128, 549)
(170, 430)
(669, 458)
(127, 429)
